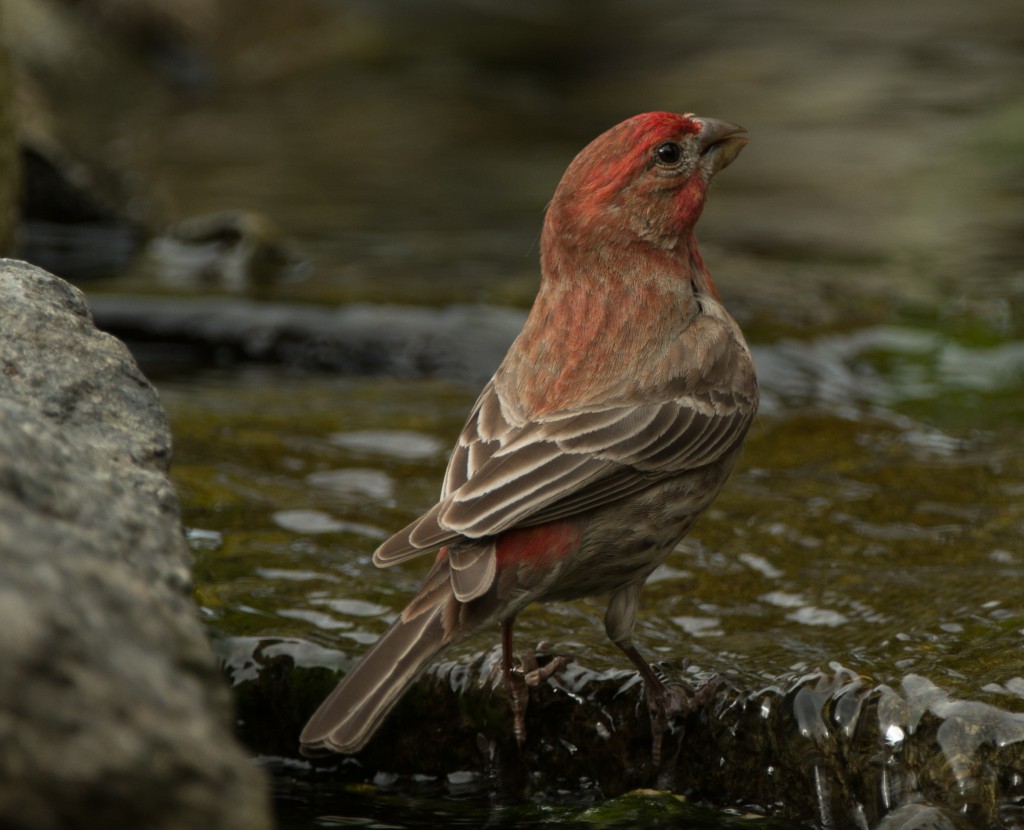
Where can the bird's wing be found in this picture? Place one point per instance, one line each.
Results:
(504, 474)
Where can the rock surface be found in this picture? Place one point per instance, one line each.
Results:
(113, 712)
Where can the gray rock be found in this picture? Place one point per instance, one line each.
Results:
(113, 712)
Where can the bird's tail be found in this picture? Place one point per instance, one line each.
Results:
(354, 711)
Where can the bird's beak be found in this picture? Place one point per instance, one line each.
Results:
(720, 142)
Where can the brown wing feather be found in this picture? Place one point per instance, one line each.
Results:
(504, 493)
(473, 567)
(543, 470)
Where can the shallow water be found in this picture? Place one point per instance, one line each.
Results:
(849, 533)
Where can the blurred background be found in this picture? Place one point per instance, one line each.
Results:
(316, 224)
(382, 150)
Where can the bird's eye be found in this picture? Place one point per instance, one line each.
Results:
(668, 153)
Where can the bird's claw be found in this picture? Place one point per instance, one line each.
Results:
(519, 679)
(533, 673)
(666, 703)
(705, 692)
(539, 675)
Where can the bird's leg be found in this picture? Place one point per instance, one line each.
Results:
(515, 683)
(519, 679)
(662, 701)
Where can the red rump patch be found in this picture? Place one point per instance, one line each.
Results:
(536, 546)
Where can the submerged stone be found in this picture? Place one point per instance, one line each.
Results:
(827, 747)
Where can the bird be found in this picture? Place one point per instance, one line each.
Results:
(611, 424)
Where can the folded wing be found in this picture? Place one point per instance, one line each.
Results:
(504, 474)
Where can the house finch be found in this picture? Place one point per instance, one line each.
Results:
(609, 427)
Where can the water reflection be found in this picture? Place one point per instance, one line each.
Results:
(317, 521)
(355, 483)
(395, 443)
(886, 367)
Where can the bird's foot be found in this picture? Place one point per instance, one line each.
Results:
(705, 692)
(533, 673)
(519, 679)
(666, 703)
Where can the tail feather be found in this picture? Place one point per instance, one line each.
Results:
(354, 711)
(433, 620)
